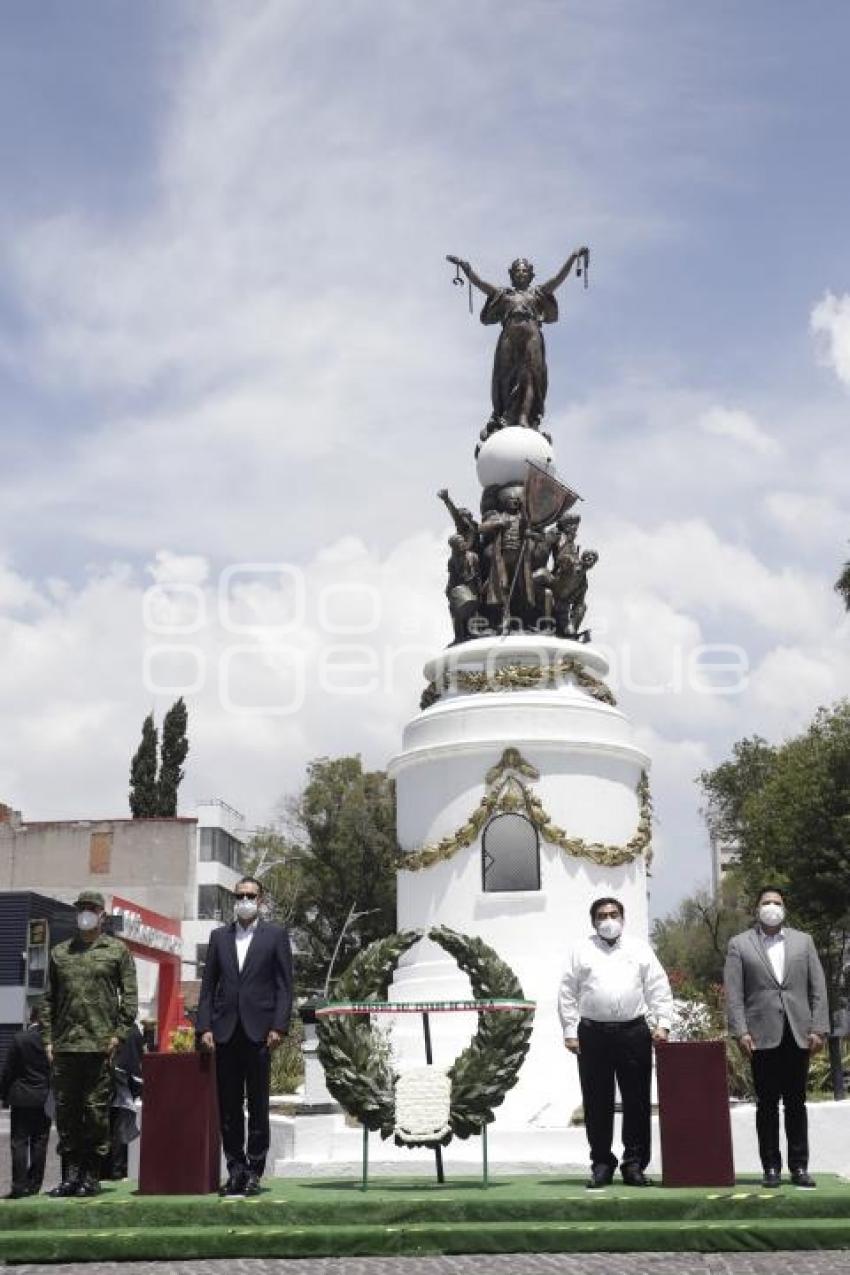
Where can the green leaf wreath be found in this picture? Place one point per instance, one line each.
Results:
(360, 1076)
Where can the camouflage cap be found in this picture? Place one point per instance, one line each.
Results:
(91, 897)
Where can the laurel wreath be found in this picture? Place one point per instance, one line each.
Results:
(358, 1070)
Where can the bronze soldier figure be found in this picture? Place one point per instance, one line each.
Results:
(463, 519)
(464, 587)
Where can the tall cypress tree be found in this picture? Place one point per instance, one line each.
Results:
(175, 746)
(143, 785)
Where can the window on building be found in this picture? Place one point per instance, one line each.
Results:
(214, 903)
(37, 945)
(100, 851)
(218, 846)
(510, 854)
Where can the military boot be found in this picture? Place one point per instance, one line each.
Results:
(89, 1181)
(70, 1181)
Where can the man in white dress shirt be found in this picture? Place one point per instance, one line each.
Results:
(611, 984)
(776, 1004)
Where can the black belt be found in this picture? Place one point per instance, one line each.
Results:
(615, 1026)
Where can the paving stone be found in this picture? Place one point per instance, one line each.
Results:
(817, 1263)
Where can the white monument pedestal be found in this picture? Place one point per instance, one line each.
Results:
(554, 750)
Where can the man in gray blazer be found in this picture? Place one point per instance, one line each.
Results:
(776, 1005)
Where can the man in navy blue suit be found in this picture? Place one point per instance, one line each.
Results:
(243, 1014)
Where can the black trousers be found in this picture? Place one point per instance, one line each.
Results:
(621, 1051)
(114, 1166)
(243, 1069)
(30, 1131)
(782, 1073)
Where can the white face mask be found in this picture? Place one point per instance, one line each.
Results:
(87, 921)
(246, 909)
(771, 914)
(610, 928)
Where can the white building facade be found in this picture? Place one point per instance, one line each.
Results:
(219, 853)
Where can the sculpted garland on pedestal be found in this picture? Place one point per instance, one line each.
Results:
(507, 791)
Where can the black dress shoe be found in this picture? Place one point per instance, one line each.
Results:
(634, 1177)
(235, 1184)
(17, 1193)
(772, 1177)
(68, 1186)
(800, 1177)
(252, 1184)
(88, 1186)
(600, 1175)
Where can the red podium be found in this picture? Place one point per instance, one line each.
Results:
(693, 1109)
(180, 1150)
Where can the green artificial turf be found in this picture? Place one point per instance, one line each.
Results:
(321, 1217)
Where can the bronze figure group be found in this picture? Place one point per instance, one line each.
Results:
(504, 576)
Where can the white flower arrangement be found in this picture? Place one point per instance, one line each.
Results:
(422, 1105)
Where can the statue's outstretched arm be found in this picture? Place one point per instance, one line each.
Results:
(555, 282)
(487, 288)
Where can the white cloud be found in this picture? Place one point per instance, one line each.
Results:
(691, 564)
(174, 568)
(79, 671)
(680, 842)
(790, 683)
(810, 518)
(15, 592)
(830, 323)
(739, 426)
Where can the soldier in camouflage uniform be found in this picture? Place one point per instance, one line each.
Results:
(89, 1006)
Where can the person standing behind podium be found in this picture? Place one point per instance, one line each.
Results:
(611, 983)
(243, 1014)
(776, 1005)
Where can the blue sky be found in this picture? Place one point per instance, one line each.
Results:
(228, 335)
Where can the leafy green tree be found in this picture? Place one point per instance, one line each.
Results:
(275, 861)
(691, 942)
(175, 747)
(798, 835)
(729, 786)
(788, 809)
(143, 786)
(331, 864)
